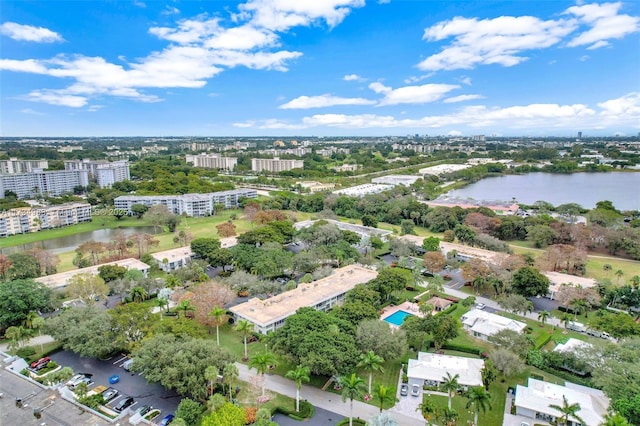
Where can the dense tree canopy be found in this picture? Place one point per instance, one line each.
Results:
(18, 298)
(528, 282)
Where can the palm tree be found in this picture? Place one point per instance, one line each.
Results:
(543, 316)
(28, 321)
(426, 309)
(568, 411)
(615, 420)
(579, 306)
(619, 275)
(139, 294)
(607, 268)
(37, 324)
(384, 395)
(229, 374)
(17, 335)
(565, 319)
(480, 399)
(261, 362)
(635, 281)
(245, 328)
(218, 314)
(447, 416)
(371, 362)
(185, 305)
(352, 388)
(211, 375)
(477, 283)
(450, 385)
(299, 375)
(428, 409)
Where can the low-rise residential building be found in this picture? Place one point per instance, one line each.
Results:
(431, 369)
(62, 279)
(503, 208)
(212, 161)
(462, 253)
(482, 324)
(270, 314)
(41, 183)
(439, 304)
(362, 190)
(14, 165)
(363, 231)
(170, 260)
(406, 180)
(346, 168)
(314, 187)
(275, 164)
(534, 401)
(557, 280)
(29, 219)
(194, 205)
(442, 169)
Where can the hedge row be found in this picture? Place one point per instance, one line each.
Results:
(568, 376)
(462, 348)
(448, 310)
(356, 422)
(544, 342)
(306, 411)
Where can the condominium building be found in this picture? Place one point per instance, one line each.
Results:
(62, 279)
(270, 314)
(104, 172)
(212, 161)
(194, 205)
(27, 219)
(54, 183)
(13, 166)
(275, 164)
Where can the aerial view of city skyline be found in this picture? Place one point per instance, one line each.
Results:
(336, 67)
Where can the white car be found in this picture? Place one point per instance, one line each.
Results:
(415, 390)
(480, 306)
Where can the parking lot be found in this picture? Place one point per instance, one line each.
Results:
(130, 384)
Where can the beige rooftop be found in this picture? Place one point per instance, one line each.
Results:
(61, 279)
(266, 312)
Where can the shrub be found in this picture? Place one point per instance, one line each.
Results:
(25, 352)
(250, 415)
(543, 342)
(468, 301)
(356, 422)
(448, 310)
(462, 348)
(306, 411)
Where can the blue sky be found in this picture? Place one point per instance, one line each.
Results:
(319, 68)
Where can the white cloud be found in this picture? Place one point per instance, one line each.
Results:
(31, 112)
(306, 102)
(605, 23)
(627, 106)
(411, 94)
(466, 80)
(94, 108)
(583, 58)
(139, 4)
(454, 133)
(29, 33)
(499, 40)
(352, 77)
(170, 10)
(199, 49)
(417, 78)
(462, 98)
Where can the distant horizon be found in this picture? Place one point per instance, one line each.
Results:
(282, 68)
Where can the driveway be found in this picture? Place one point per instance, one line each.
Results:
(130, 384)
(321, 417)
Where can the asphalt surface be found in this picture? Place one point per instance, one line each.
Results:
(130, 384)
(320, 418)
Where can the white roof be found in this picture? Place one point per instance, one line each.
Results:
(487, 324)
(571, 345)
(430, 366)
(538, 395)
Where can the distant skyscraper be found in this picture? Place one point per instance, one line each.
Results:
(579, 135)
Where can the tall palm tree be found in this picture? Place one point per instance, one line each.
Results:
(17, 335)
(28, 321)
(352, 387)
(261, 362)
(607, 268)
(569, 411)
(218, 314)
(371, 362)
(245, 328)
(543, 316)
(185, 305)
(565, 319)
(579, 306)
(619, 274)
(161, 302)
(139, 294)
(37, 324)
(229, 375)
(384, 395)
(299, 375)
(450, 385)
(480, 399)
(211, 375)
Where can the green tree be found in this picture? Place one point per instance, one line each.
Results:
(211, 373)
(488, 373)
(370, 221)
(139, 294)
(378, 336)
(23, 266)
(139, 210)
(607, 268)
(407, 227)
(568, 411)
(464, 234)
(86, 331)
(219, 315)
(261, 362)
(227, 415)
(229, 375)
(619, 274)
(615, 420)
(444, 328)
(17, 336)
(431, 244)
(185, 306)
(479, 399)
(203, 246)
(300, 374)
(189, 411)
(352, 388)
(245, 328)
(370, 362)
(529, 282)
(450, 385)
(428, 409)
(384, 395)
(87, 287)
(543, 316)
(81, 389)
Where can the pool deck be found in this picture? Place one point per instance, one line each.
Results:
(412, 308)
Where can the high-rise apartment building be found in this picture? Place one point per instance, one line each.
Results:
(36, 183)
(275, 164)
(27, 219)
(104, 172)
(212, 161)
(13, 166)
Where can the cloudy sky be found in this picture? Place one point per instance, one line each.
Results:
(319, 67)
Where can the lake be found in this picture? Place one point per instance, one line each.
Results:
(71, 242)
(586, 189)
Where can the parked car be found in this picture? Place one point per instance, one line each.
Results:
(144, 409)
(41, 363)
(77, 379)
(99, 389)
(125, 402)
(404, 389)
(109, 394)
(480, 306)
(167, 420)
(415, 390)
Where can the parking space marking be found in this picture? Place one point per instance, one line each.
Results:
(123, 359)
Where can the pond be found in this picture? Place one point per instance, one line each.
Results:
(586, 189)
(71, 242)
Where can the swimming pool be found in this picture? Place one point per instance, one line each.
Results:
(397, 318)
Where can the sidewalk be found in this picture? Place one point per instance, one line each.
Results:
(325, 400)
(35, 341)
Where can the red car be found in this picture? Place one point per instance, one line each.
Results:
(41, 363)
